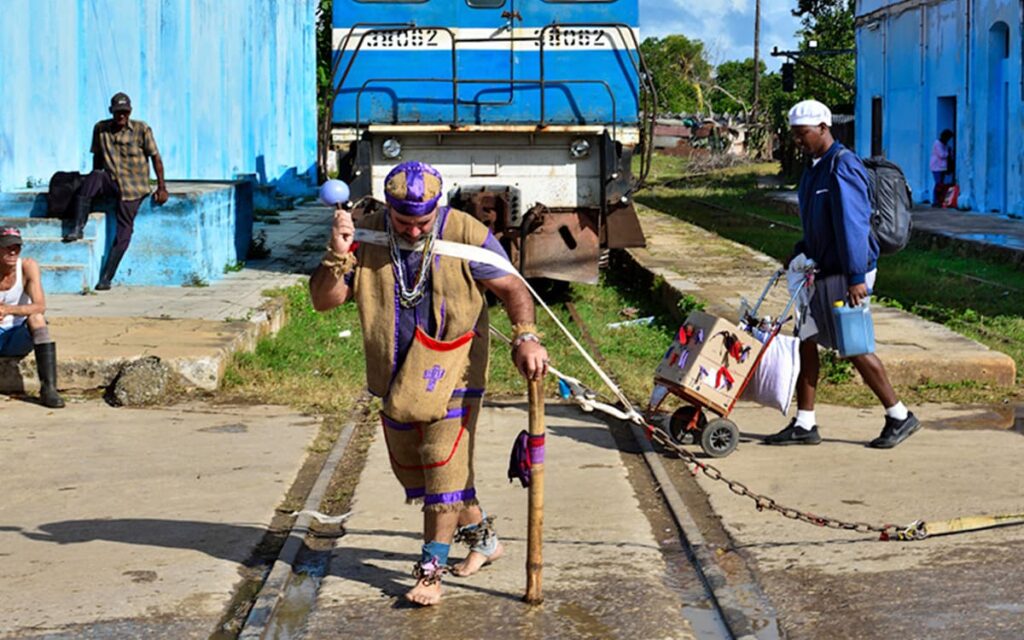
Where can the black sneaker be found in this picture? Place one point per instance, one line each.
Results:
(793, 434)
(896, 431)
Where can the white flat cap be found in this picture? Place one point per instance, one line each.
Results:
(810, 112)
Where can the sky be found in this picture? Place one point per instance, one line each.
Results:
(728, 31)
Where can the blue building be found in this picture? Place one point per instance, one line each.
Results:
(228, 87)
(928, 65)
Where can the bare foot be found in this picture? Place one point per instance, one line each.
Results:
(425, 593)
(475, 560)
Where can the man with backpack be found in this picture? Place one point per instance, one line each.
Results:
(836, 212)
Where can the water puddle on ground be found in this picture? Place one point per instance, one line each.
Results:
(299, 597)
(997, 418)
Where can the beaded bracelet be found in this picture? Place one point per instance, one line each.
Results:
(524, 337)
(524, 332)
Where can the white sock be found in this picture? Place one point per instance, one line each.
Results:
(897, 411)
(805, 419)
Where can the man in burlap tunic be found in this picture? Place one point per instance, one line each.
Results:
(425, 334)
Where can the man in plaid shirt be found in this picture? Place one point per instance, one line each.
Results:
(121, 151)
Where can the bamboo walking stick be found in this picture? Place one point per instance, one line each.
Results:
(534, 555)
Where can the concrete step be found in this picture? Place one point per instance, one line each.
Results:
(67, 278)
(53, 227)
(55, 251)
(66, 267)
(23, 204)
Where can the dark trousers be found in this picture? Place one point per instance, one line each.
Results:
(99, 183)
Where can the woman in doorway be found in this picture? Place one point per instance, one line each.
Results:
(939, 165)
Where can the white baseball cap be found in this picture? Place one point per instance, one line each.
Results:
(810, 112)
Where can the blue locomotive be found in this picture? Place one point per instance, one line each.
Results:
(531, 110)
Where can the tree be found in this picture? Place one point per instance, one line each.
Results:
(831, 24)
(324, 83)
(737, 80)
(680, 71)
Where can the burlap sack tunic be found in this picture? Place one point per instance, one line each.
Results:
(429, 438)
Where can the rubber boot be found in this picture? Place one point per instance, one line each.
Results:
(46, 363)
(82, 206)
(110, 269)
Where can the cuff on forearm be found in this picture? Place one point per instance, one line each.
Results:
(856, 278)
(524, 327)
(339, 265)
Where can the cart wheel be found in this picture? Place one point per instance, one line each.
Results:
(677, 425)
(719, 438)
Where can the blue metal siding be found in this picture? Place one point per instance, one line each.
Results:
(913, 58)
(228, 86)
(420, 101)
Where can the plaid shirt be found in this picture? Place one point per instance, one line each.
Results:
(126, 155)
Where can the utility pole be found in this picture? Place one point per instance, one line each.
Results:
(757, 59)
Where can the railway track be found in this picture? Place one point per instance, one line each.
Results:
(722, 605)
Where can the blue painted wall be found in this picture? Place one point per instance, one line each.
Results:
(395, 67)
(922, 57)
(228, 86)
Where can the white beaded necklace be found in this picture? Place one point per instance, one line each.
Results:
(410, 297)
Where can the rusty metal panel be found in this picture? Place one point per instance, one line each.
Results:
(622, 228)
(561, 245)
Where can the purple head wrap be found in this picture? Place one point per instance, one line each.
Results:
(413, 188)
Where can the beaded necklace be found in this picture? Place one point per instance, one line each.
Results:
(410, 297)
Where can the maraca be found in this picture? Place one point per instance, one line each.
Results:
(334, 193)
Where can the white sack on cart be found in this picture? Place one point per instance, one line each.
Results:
(795, 276)
(774, 380)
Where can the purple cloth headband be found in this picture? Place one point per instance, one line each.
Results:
(417, 196)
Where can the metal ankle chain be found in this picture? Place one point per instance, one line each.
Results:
(429, 572)
(476, 535)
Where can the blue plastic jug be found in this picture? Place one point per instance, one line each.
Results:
(855, 332)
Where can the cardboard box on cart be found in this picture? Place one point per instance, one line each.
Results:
(699, 375)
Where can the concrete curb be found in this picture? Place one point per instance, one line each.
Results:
(914, 350)
(258, 623)
(197, 372)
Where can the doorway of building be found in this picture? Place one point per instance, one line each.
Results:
(998, 116)
(876, 128)
(945, 118)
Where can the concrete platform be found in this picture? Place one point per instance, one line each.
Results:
(696, 262)
(123, 523)
(840, 584)
(604, 576)
(193, 329)
(972, 232)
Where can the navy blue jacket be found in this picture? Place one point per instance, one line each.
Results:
(835, 209)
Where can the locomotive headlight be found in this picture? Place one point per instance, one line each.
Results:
(579, 148)
(391, 148)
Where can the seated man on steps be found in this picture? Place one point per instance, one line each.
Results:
(121, 150)
(22, 325)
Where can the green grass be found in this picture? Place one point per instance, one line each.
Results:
(631, 353)
(308, 366)
(925, 281)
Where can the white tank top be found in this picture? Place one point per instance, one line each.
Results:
(14, 296)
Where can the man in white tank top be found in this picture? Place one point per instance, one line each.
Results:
(22, 325)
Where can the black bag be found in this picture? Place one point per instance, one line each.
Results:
(890, 203)
(60, 198)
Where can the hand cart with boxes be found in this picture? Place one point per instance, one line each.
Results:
(710, 364)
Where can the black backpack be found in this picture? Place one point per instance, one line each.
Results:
(64, 187)
(890, 203)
